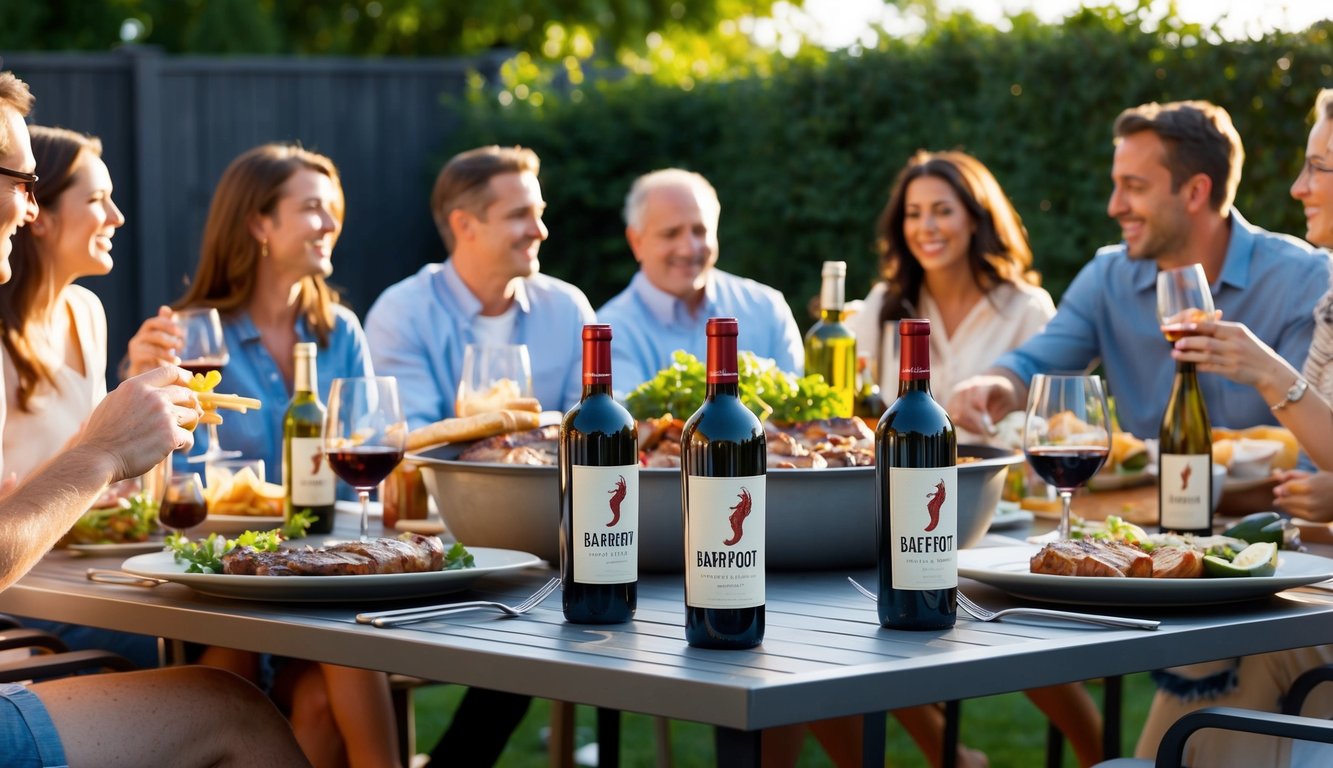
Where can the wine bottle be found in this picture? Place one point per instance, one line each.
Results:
(869, 404)
(1185, 460)
(916, 457)
(599, 496)
(307, 480)
(723, 473)
(830, 346)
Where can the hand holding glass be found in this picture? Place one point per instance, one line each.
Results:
(1183, 299)
(183, 504)
(204, 350)
(364, 435)
(492, 374)
(1066, 435)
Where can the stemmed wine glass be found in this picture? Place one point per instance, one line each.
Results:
(1183, 299)
(492, 372)
(364, 435)
(1066, 436)
(183, 505)
(205, 350)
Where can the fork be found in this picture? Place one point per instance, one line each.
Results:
(421, 613)
(983, 614)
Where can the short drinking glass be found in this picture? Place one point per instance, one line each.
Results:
(364, 434)
(183, 504)
(1066, 435)
(1183, 299)
(492, 374)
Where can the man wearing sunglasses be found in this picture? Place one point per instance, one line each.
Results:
(198, 716)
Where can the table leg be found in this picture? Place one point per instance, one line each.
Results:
(738, 749)
(873, 739)
(608, 738)
(560, 746)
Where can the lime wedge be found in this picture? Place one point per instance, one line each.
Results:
(1255, 560)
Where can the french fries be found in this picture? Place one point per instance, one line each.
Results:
(215, 400)
(242, 493)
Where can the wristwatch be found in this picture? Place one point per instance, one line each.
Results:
(1296, 392)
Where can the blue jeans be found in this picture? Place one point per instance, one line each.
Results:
(28, 738)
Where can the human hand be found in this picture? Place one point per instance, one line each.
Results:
(156, 342)
(1233, 351)
(143, 420)
(1305, 495)
(978, 402)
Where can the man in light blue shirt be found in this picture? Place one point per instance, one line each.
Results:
(1175, 172)
(488, 208)
(671, 224)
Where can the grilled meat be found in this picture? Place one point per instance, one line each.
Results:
(1080, 557)
(1177, 563)
(535, 446)
(412, 554)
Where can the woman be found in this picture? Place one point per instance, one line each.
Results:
(1301, 403)
(952, 249)
(267, 249)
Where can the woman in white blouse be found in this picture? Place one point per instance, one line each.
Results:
(953, 250)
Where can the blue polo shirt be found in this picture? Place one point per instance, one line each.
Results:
(418, 329)
(648, 324)
(1269, 282)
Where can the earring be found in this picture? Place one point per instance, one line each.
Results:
(263, 249)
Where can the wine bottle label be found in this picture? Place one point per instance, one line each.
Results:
(605, 523)
(724, 542)
(312, 480)
(922, 535)
(1186, 491)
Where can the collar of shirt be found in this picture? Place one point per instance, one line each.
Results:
(1235, 268)
(668, 310)
(248, 333)
(452, 290)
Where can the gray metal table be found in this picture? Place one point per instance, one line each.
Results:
(823, 655)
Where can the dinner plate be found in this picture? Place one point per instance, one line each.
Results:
(331, 589)
(128, 548)
(1006, 568)
(1237, 484)
(1009, 515)
(231, 525)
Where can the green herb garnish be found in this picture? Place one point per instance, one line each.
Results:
(768, 391)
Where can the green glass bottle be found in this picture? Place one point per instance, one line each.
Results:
(830, 346)
(306, 477)
(1185, 462)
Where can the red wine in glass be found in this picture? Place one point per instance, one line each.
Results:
(203, 367)
(1066, 466)
(364, 466)
(183, 504)
(1067, 435)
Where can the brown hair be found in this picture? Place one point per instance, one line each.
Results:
(464, 182)
(14, 94)
(998, 251)
(229, 257)
(1199, 138)
(58, 152)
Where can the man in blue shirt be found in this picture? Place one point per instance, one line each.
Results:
(671, 224)
(1175, 172)
(488, 207)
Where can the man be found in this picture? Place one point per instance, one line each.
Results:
(488, 207)
(671, 220)
(1174, 173)
(99, 720)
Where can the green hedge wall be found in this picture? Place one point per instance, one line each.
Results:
(803, 159)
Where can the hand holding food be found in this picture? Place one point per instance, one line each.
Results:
(155, 343)
(141, 421)
(210, 401)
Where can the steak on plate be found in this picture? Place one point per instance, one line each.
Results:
(413, 553)
(1082, 557)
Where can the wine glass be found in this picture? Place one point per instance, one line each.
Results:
(364, 435)
(1183, 299)
(492, 375)
(1066, 435)
(183, 504)
(205, 350)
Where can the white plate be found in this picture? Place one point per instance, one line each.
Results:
(1010, 515)
(231, 525)
(130, 548)
(1236, 484)
(331, 589)
(1006, 568)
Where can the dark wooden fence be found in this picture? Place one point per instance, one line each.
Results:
(170, 125)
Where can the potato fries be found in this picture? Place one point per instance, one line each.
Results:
(211, 401)
(242, 493)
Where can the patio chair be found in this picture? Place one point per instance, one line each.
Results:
(51, 657)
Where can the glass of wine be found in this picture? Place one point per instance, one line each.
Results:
(364, 435)
(204, 350)
(1183, 299)
(1066, 435)
(492, 375)
(183, 504)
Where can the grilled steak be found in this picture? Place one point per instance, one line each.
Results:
(412, 554)
(1177, 563)
(1080, 557)
(535, 446)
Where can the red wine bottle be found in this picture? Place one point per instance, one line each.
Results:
(1185, 458)
(723, 473)
(599, 496)
(916, 457)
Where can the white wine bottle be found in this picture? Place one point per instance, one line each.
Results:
(1185, 462)
(830, 346)
(307, 480)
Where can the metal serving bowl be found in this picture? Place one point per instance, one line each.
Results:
(817, 518)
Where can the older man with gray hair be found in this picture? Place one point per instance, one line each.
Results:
(671, 221)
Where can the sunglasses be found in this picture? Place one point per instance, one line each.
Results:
(27, 182)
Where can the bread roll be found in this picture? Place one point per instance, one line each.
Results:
(471, 428)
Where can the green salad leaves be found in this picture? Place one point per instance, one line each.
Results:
(768, 391)
(131, 519)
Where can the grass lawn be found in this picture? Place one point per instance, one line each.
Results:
(1008, 728)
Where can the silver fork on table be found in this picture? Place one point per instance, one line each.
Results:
(983, 614)
(421, 613)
